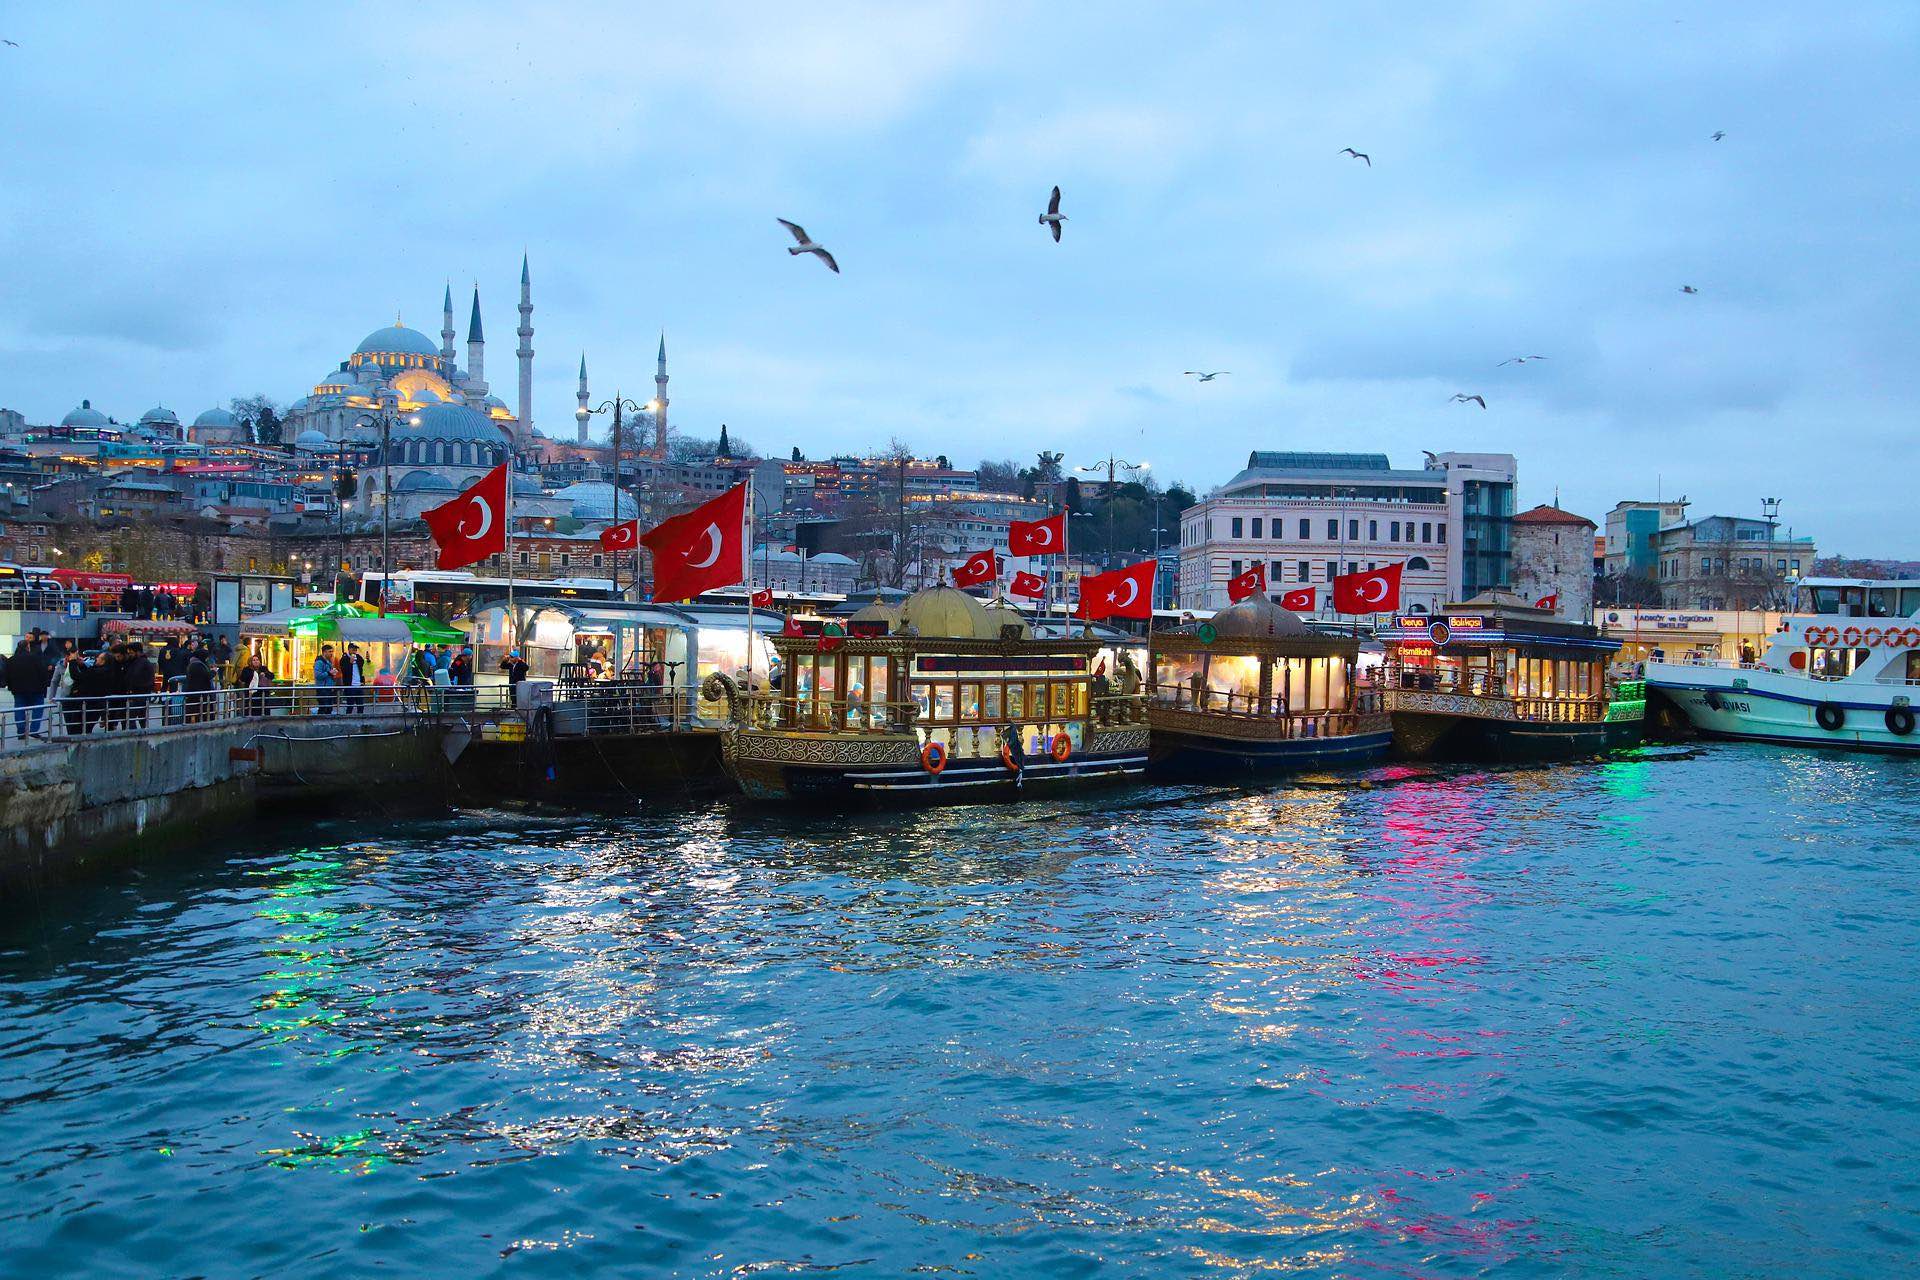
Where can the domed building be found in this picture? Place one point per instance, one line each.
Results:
(162, 422)
(217, 426)
(86, 417)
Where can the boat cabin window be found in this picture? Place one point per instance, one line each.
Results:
(1838, 664)
(1880, 602)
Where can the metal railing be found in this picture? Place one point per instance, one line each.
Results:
(1270, 710)
(624, 707)
(1547, 708)
(823, 715)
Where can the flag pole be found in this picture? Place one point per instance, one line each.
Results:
(513, 617)
(748, 551)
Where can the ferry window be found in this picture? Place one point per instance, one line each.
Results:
(1880, 602)
(1016, 701)
(970, 701)
(943, 702)
(825, 686)
(1909, 601)
(879, 690)
(1337, 679)
(1913, 665)
(990, 702)
(1061, 702)
(921, 701)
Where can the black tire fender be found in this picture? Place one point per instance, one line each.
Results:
(1830, 716)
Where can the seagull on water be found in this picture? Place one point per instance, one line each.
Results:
(1206, 377)
(1357, 155)
(1519, 360)
(1464, 398)
(806, 245)
(1052, 218)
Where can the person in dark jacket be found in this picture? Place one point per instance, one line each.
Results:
(28, 675)
(138, 674)
(515, 666)
(199, 686)
(256, 680)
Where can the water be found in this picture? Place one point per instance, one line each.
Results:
(1647, 1017)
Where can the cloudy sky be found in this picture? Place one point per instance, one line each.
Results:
(198, 203)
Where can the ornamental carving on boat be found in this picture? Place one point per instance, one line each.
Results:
(1108, 741)
(1449, 704)
(832, 751)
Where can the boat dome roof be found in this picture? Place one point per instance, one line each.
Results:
(1258, 616)
(878, 611)
(948, 613)
(1005, 615)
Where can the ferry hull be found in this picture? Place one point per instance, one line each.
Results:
(1186, 745)
(1770, 708)
(887, 771)
(1426, 736)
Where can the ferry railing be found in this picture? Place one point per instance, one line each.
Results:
(69, 718)
(626, 708)
(1272, 709)
(1545, 708)
(856, 715)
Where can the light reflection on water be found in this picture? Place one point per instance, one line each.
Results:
(1644, 1016)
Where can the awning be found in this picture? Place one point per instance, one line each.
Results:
(357, 630)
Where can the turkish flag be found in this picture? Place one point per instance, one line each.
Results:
(619, 537)
(1548, 602)
(1038, 537)
(700, 550)
(791, 627)
(1122, 593)
(1375, 591)
(761, 599)
(1300, 600)
(978, 568)
(1028, 585)
(1251, 583)
(474, 525)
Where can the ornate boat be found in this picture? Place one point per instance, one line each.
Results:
(938, 699)
(1495, 678)
(1255, 689)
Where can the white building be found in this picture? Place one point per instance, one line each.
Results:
(1313, 516)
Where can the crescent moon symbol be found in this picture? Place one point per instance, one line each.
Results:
(486, 520)
(1133, 593)
(1376, 597)
(714, 541)
(1043, 536)
(621, 536)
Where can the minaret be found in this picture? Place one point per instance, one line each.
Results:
(446, 332)
(526, 351)
(660, 401)
(582, 416)
(476, 346)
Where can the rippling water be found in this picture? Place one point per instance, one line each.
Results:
(1652, 1017)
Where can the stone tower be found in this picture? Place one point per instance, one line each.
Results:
(476, 345)
(581, 395)
(660, 402)
(446, 331)
(526, 349)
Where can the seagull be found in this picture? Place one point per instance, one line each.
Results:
(807, 245)
(1719, 134)
(1357, 155)
(1052, 218)
(1520, 360)
(1464, 398)
(14, 43)
(1687, 288)
(1206, 377)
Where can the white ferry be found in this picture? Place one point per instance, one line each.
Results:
(1845, 673)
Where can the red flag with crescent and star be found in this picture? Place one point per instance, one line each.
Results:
(474, 525)
(1300, 599)
(620, 537)
(1548, 602)
(761, 599)
(978, 568)
(1249, 584)
(1121, 593)
(1027, 584)
(1375, 591)
(1038, 537)
(701, 550)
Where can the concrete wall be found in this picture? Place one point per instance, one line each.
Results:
(65, 806)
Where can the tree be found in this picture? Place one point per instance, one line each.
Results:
(726, 446)
(1625, 589)
(1002, 476)
(796, 454)
(1178, 498)
(881, 531)
(695, 449)
(260, 415)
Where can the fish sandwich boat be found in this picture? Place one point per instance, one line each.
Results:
(1254, 689)
(941, 698)
(1497, 678)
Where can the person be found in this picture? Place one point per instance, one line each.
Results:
(1746, 653)
(255, 679)
(76, 705)
(27, 679)
(139, 678)
(199, 685)
(515, 666)
(460, 673)
(324, 680)
(113, 687)
(223, 652)
(353, 678)
(59, 686)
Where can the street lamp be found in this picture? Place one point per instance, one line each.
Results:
(616, 406)
(385, 423)
(1114, 464)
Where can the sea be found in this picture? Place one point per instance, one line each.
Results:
(1646, 1016)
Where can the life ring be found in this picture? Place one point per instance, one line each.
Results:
(1061, 747)
(1007, 757)
(1822, 635)
(1909, 637)
(1899, 721)
(1830, 716)
(1851, 637)
(1872, 637)
(933, 758)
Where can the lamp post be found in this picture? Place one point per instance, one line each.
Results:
(1114, 464)
(615, 406)
(385, 423)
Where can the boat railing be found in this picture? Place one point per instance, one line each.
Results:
(1544, 708)
(1272, 710)
(858, 715)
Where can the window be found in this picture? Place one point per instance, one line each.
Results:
(1353, 530)
(1706, 564)
(1236, 526)
(1393, 532)
(596, 559)
(1333, 528)
(1256, 526)
(1426, 531)
(1278, 570)
(1417, 563)
(1306, 571)
(1333, 570)
(1306, 530)
(1441, 530)
(1235, 570)
(1373, 531)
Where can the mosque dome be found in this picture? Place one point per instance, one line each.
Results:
(160, 415)
(216, 418)
(396, 339)
(423, 482)
(450, 422)
(85, 416)
(593, 500)
(1258, 616)
(310, 439)
(948, 613)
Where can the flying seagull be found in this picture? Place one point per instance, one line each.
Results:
(1719, 134)
(14, 43)
(1687, 288)
(806, 245)
(1464, 398)
(1357, 155)
(1052, 218)
(1519, 360)
(1206, 377)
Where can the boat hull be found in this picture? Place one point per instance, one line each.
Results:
(1194, 745)
(887, 769)
(1426, 736)
(1768, 707)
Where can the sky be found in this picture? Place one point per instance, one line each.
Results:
(204, 202)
